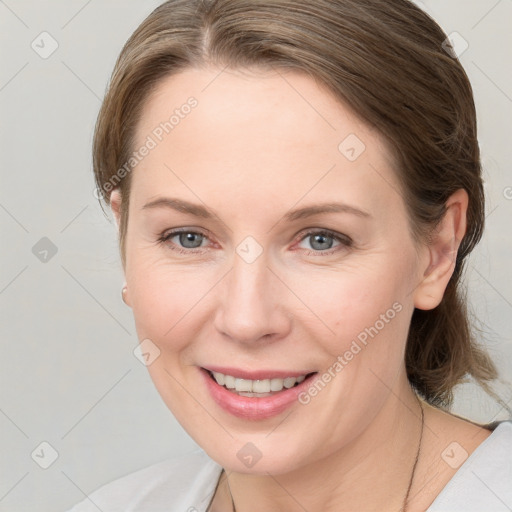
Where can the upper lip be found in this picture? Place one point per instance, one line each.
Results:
(257, 374)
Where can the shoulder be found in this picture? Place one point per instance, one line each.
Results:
(483, 481)
(183, 483)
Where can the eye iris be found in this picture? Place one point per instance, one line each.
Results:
(318, 241)
(190, 240)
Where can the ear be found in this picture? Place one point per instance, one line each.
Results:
(441, 252)
(115, 204)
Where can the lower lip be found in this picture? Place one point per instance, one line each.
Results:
(254, 408)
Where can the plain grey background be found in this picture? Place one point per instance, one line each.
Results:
(69, 377)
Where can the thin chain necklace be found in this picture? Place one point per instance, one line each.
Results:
(406, 498)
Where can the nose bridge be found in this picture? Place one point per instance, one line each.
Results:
(250, 306)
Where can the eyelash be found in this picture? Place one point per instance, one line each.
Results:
(345, 241)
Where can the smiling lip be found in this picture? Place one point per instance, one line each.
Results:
(256, 374)
(254, 408)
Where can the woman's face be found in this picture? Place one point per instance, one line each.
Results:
(264, 280)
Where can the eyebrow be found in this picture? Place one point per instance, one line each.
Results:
(180, 206)
(308, 211)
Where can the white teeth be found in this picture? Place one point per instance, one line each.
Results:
(243, 385)
(219, 377)
(248, 387)
(289, 382)
(261, 386)
(229, 381)
(276, 384)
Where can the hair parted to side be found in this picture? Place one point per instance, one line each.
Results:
(386, 61)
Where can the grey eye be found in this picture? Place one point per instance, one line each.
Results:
(190, 240)
(321, 242)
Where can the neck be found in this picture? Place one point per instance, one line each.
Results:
(379, 460)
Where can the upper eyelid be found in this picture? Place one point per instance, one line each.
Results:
(167, 235)
(315, 231)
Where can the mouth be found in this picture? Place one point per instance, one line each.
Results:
(259, 388)
(265, 395)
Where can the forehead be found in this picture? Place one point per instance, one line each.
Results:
(262, 133)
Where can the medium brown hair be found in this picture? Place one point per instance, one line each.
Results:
(388, 61)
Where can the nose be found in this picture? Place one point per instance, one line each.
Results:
(252, 304)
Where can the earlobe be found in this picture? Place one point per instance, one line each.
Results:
(441, 252)
(124, 295)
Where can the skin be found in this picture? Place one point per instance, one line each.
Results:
(258, 145)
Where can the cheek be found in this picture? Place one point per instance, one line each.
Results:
(361, 314)
(169, 309)
(166, 300)
(355, 302)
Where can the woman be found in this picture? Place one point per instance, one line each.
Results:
(297, 186)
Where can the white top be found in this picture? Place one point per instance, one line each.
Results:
(483, 483)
